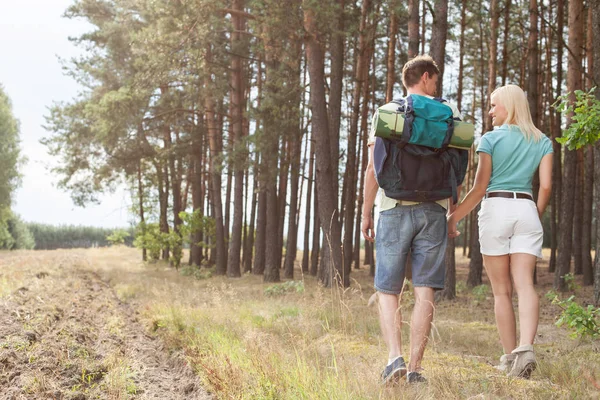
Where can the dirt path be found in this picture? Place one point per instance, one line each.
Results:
(64, 334)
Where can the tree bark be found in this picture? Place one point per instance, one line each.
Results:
(578, 216)
(309, 203)
(588, 170)
(236, 112)
(595, 7)
(390, 77)
(141, 205)
(492, 61)
(328, 210)
(413, 28)
(337, 55)
(198, 192)
(556, 132)
(438, 39)
(532, 62)
(576, 24)
(316, 239)
(449, 291)
(507, 6)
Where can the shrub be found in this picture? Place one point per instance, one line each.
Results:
(583, 321)
(281, 289)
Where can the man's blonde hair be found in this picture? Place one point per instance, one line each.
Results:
(514, 100)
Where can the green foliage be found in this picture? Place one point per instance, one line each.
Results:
(150, 237)
(197, 272)
(14, 234)
(582, 321)
(281, 289)
(570, 282)
(481, 292)
(118, 237)
(196, 222)
(50, 237)
(10, 157)
(585, 115)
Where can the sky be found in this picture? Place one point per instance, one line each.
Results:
(33, 35)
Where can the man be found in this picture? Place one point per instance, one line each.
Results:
(407, 228)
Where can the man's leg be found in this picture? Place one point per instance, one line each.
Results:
(420, 325)
(390, 320)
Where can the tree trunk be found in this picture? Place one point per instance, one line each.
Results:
(198, 191)
(413, 28)
(576, 24)
(449, 291)
(360, 79)
(438, 39)
(336, 49)
(236, 114)
(292, 236)
(586, 226)
(390, 78)
(162, 175)
(507, 6)
(595, 7)
(556, 132)
(492, 61)
(476, 263)
(532, 63)
(215, 146)
(261, 227)
(141, 205)
(578, 216)
(328, 211)
(588, 170)
(316, 239)
(461, 54)
(282, 196)
(309, 203)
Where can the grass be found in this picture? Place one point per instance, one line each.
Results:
(250, 340)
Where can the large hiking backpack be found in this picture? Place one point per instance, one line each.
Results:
(418, 164)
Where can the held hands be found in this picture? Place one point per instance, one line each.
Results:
(452, 231)
(367, 229)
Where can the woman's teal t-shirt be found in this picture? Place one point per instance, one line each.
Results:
(514, 159)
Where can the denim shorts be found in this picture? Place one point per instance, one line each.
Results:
(419, 231)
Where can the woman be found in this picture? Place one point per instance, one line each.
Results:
(510, 231)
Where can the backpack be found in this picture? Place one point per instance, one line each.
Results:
(418, 164)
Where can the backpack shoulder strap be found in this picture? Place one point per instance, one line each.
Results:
(409, 118)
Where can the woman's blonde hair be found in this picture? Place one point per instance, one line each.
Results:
(514, 100)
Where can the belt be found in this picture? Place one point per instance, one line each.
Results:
(509, 195)
(443, 203)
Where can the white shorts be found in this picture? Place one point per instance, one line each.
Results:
(508, 226)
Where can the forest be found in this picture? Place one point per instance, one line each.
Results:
(240, 127)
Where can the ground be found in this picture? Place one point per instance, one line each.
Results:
(102, 324)
(65, 334)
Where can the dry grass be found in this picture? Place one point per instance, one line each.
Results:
(325, 343)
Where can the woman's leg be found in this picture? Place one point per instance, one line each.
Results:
(498, 272)
(521, 269)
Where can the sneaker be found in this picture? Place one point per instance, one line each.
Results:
(524, 363)
(394, 371)
(415, 377)
(506, 362)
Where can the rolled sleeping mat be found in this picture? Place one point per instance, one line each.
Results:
(388, 123)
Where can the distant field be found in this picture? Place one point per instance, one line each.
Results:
(98, 323)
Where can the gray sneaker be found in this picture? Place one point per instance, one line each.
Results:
(394, 371)
(415, 377)
(506, 362)
(525, 362)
